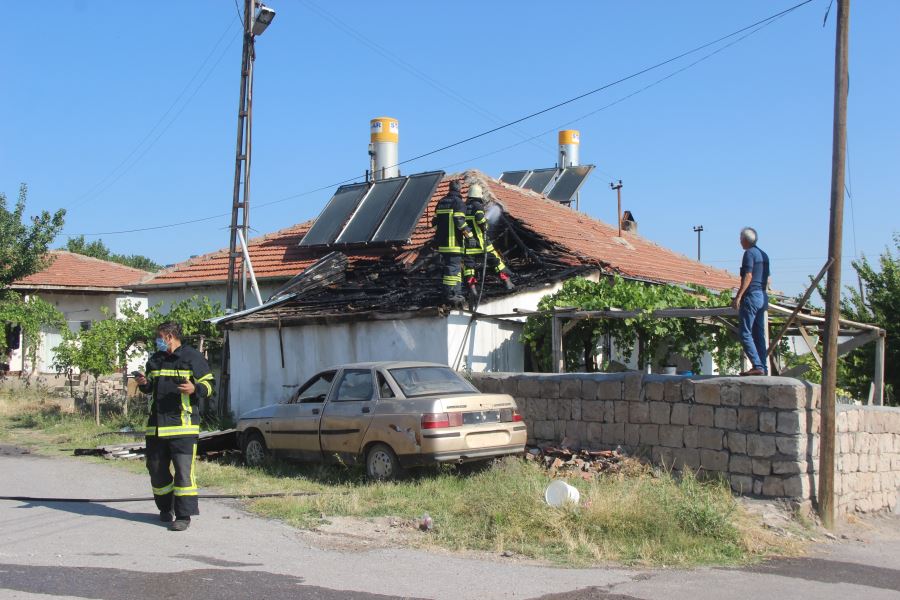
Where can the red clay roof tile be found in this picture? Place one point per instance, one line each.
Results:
(587, 240)
(67, 269)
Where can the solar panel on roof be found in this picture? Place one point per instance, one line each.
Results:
(402, 217)
(539, 179)
(514, 177)
(569, 182)
(371, 211)
(329, 223)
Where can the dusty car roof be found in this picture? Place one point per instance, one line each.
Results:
(388, 364)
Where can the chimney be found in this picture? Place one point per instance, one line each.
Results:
(383, 153)
(569, 142)
(628, 222)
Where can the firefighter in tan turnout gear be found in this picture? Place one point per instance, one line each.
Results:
(479, 247)
(450, 222)
(177, 379)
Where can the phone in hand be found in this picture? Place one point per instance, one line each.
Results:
(137, 374)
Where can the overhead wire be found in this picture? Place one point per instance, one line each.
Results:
(412, 69)
(757, 24)
(120, 169)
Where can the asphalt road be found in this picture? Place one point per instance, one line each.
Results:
(120, 551)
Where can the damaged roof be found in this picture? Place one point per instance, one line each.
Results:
(568, 239)
(70, 271)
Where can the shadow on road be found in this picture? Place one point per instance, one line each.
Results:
(90, 509)
(199, 584)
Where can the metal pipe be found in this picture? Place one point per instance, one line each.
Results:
(249, 267)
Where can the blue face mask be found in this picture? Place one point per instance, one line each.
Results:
(161, 344)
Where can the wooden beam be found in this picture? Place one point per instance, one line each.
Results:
(556, 344)
(570, 325)
(879, 371)
(800, 304)
(810, 343)
(842, 349)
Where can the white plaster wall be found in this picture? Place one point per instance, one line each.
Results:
(258, 379)
(493, 345)
(76, 307)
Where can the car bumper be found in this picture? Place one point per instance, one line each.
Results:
(459, 456)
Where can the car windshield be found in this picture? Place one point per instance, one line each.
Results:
(430, 381)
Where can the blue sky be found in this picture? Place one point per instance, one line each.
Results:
(124, 113)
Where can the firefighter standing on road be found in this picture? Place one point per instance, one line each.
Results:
(450, 221)
(177, 378)
(479, 247)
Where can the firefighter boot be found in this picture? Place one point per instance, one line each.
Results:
(504, 277)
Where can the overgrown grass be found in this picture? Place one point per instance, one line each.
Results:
(640, 516)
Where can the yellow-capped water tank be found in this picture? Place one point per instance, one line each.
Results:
(569, 144)
(384, 142)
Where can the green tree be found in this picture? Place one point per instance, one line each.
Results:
(23, 251)
(97, 249)
(109, 344)
(879, 304)
(686, 337)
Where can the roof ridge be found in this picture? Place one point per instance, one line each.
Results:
(112, 263)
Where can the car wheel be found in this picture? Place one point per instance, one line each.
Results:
(382, 463)
(255, 451)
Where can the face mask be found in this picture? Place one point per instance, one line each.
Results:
(161, 344)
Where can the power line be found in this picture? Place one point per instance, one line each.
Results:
(413, 70)
(617, 101)
(117, 173)
(757, 25)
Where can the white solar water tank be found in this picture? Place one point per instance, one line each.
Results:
(385, 140)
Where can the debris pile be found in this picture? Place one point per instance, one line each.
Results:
(565, 462)
(211, 444)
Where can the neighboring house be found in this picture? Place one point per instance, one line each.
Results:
(382, 302)
(80, 287)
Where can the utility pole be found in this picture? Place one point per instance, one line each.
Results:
(618, 188)
(833, 283)
(257, 17)
(699, 230)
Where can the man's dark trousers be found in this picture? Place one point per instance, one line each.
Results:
(178, 493)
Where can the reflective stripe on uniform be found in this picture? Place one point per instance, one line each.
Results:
(186, 491)
(150, 430)
(206, 381)
(452, 279)
(162, 491)
(171, 373)
(178, 430)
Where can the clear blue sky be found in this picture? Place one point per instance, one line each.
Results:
(124, 113)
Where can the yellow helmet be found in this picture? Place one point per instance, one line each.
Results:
(475, 191)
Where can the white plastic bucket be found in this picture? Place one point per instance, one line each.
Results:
(559, 493)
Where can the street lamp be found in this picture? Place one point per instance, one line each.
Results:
(263, 18)
(698, 229)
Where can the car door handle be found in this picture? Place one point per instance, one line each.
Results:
(315, 411)
(366, 409)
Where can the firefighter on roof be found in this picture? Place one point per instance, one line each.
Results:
(177, 378)
(450, 222)
(479, 247)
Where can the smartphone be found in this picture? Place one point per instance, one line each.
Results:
(137, 374)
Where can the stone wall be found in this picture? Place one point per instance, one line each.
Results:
(867, 450)
(760, 433)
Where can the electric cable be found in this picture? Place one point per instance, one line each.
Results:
(103, 185)
(35, 499)
(757, 24)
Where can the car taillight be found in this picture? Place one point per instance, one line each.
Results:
(441, 420)
(509, 415)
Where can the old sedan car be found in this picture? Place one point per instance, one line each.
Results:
(390, 415)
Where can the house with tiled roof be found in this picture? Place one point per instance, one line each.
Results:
(81, 288)
(336, 303)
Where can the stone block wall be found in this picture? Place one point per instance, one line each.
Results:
(867, 457)
(760, 433)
